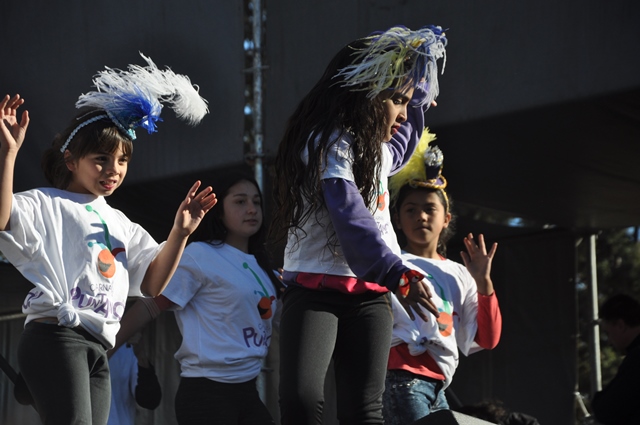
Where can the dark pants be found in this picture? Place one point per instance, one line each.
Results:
(201, 401)
(356, 331)
(67, 373)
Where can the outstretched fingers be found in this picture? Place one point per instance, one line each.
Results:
(191, 194)
(479, 248)
(9, 107)
(477, 260)
(3, 103)
(206, 198)
(15, 102)
(11, 131)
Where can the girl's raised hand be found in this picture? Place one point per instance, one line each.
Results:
(193, 208)
(11, 132)
(478, 262)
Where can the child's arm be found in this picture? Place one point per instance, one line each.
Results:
(139, 315)
(367, 254)
(478, 263)
(189, 215)
(11, 138)
(489, 322)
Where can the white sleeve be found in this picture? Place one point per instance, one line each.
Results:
(25, 237)
(468, 325)
(339, 161)
(186, 281)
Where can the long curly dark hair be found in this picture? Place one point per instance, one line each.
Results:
(326, 113)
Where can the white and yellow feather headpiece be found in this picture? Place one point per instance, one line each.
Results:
(424, 169)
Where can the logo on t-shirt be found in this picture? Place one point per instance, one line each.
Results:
(382, 196)
(445, 320)
(106, 260)
(264, 304)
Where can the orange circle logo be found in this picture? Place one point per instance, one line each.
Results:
(445, 323)
(264, 307)
(106, 263)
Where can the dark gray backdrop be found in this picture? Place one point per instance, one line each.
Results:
(538, 118)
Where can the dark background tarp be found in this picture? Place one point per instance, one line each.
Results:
(538, 119)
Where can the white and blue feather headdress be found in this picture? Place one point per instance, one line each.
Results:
(397, 58)
(133, 98)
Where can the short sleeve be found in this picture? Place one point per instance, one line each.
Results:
(338, 162)
(186, 281)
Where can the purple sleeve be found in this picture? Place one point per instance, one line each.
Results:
(404, 142)
(367, 254)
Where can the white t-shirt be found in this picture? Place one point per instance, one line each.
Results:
(82, 256)
(219, 293)
(307, 249)
(455, 294)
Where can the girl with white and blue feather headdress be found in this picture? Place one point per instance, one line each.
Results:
(82, 256)
(358, 125)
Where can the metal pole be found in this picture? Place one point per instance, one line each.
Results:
(256, 21)
(12, 316)
(257, 91)
(594, 337)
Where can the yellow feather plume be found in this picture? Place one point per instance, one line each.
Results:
(414, 170)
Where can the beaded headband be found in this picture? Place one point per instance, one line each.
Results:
(133, 98)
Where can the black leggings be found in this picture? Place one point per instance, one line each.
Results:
(356, 331)
(201, 401)
(67, 372)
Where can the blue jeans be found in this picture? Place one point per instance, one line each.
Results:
(67, 373)
(409, 397)
(354, 330)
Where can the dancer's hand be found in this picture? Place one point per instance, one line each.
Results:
(478, 262)
(11, 132)
(414, 294)
(193, 208)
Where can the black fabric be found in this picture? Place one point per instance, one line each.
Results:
(352, 329)
(533, 280)
(148, 390)
(21, 392)
(202, 401)
(617, 403)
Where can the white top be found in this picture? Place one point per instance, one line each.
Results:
(455, 294)
(311, 253)
(82, 256)
(124, 379)
(217, 289)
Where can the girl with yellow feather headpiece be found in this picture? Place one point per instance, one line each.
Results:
(424, 355)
